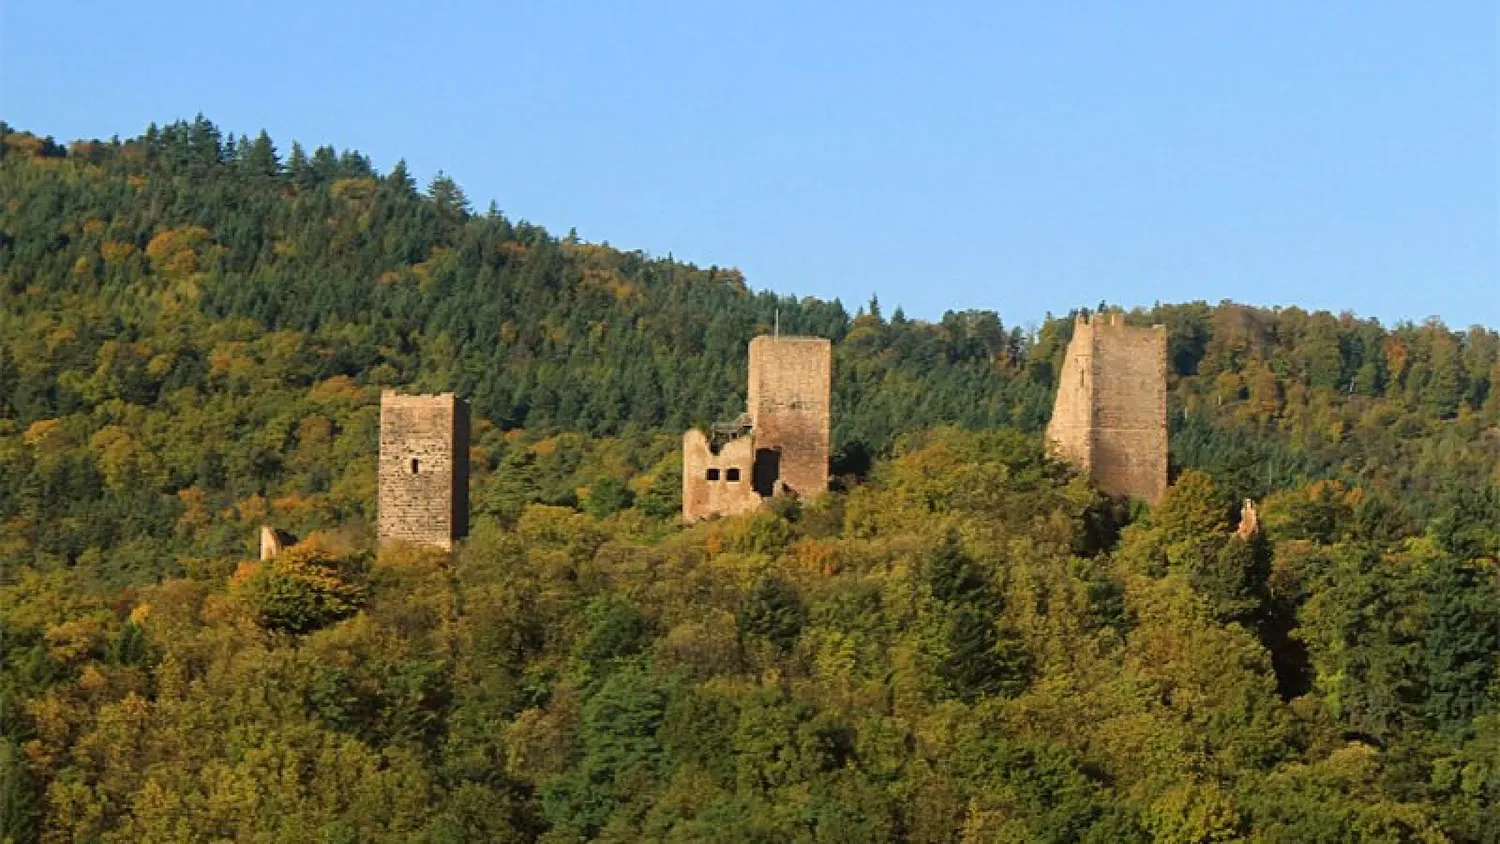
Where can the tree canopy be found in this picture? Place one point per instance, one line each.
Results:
(962, 642)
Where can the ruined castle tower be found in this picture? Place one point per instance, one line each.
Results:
(1110, 417)
(424, 469)
(790, 382)
(779, 447)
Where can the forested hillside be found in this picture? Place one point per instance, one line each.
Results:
(963, 642)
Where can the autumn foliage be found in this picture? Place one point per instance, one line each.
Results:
(962, 642)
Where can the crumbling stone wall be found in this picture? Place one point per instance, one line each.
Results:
(424, 469)
(272, 541)
(785, 449)
(1070, 433)
(1110, 416)
(717, 483)
(1249, 521)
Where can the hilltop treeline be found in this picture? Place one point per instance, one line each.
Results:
(964, 642)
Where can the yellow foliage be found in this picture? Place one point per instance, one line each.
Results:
(412, 558)
(297, 507)
(353, 190)
(75, 639)
(118, 456)
(14, 539)
(609, 280)
(179, 251)
(816, 556)
(48, 436)
(62, 335)
(538, 744)
(1396, 356)
(1229, 386)
(337, 387)
(252, 508)
(90, 679)
(1195, 812)
(713, 538)
(552, 525)
(195, 516)
(705, 646)
(232, 359)
(314, 432)
(243, 572)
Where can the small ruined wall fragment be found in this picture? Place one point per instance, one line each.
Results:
(272, 541)
(1249, 521)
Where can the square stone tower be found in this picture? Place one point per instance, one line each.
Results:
(424, 469)
(790, 382)
(1110, 416)
(779, 447)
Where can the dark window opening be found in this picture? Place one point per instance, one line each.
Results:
(731, 474)
(414, 463)
(767, 470)
(713, 474)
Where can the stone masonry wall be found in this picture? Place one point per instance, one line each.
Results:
(786, 450)
(424, 469)
(1110, 417)
(1070, 433)
(717, 484)
(790, 382)
(272, 541)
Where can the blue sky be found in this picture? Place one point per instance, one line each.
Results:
(1024, 157)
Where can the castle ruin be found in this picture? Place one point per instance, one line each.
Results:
(1110, 417)
(424, 469)
(272, 541)
(778, 447)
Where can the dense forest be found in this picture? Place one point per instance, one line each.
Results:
(962, 642)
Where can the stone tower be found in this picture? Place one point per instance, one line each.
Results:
(424, 469)
(1110, 417)
(778, 447)
(790, 382)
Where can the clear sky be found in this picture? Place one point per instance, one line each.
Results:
(1024, 157)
